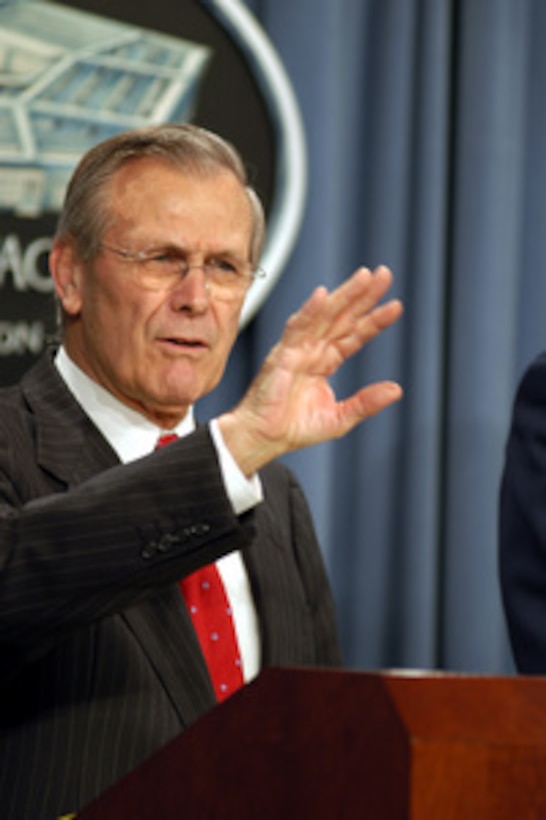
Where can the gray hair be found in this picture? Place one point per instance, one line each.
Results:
(85, 215)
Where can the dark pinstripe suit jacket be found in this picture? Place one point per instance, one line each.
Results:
(100, 664)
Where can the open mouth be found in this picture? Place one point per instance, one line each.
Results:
(193, 344)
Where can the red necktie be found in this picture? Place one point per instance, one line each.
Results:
(212, 618)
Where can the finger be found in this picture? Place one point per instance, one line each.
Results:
(307, 317)
(369, 326)
(354, 299)
(367, 402)
(327, 315)
(359, 333)
(363, 293)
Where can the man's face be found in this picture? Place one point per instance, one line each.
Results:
(158, 350)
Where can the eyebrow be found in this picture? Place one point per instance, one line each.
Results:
(174, 247)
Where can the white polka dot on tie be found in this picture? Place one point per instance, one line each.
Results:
(223, 687)
(214, 636)
(205, 585)
(194, 609)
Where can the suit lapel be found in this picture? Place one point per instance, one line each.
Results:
(69, 446)
(71, 450)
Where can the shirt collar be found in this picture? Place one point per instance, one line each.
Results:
(129, 433)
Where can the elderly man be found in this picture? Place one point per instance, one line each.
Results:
(142, 583)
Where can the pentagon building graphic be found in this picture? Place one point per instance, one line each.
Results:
(69, 79)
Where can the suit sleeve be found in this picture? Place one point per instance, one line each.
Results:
(522, 523)
(70, 558)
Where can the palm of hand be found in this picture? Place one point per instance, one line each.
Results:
(292, 397)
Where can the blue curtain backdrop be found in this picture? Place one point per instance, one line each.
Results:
(426, 130)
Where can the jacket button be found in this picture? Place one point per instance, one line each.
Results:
(200, 529)
(167, 541)
(148, 551)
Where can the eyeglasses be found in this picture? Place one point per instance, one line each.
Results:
(162, 268)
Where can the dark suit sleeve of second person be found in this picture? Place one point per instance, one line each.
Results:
(522, 523)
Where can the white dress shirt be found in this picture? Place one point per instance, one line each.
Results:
(132, 436)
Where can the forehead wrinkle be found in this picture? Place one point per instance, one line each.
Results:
(180, 248)
(204, 224)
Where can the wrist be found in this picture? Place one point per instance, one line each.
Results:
(250, 450)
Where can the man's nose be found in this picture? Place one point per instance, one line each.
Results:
(192, 291)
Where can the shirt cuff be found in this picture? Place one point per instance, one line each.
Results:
(244, 493)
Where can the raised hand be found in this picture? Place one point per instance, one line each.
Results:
(291, 404)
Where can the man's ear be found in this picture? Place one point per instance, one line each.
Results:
(67, 274)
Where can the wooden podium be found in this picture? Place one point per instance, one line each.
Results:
(332, 744)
